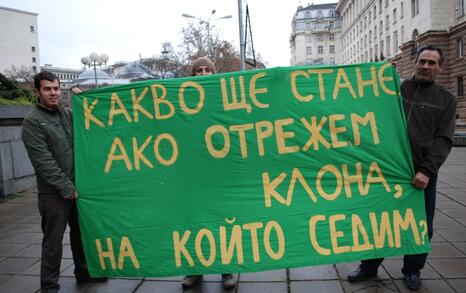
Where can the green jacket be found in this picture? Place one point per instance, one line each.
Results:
(48, 137)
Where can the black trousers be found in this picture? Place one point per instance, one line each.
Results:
(56, 213)
(414, 263)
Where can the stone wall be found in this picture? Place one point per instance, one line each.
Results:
(16, 172)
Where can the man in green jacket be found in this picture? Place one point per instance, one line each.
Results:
(48, 137)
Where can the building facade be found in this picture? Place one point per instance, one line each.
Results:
(375, 30)
(315, 35)
(19, 41)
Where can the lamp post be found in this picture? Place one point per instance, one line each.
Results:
(95, 59)
(207, 23)
(242, 45)
(164, 59)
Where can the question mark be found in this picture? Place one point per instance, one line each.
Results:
(423, 224)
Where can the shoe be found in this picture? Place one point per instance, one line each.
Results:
(87, 279)
(228, 281)
(190, 281)
(413, 281)
(361, 274)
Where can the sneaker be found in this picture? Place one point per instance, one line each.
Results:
(190, 281)
(228, 281)
(413, 281)
(361, 274)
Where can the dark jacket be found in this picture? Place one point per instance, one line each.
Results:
(430, 114)
(48, 137)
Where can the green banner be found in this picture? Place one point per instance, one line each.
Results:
(246, 171)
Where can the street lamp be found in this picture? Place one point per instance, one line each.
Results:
(95, 59)
(207, 23)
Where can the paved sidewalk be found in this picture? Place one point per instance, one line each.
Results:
(445, 271)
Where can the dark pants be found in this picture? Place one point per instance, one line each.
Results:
(413, 263)
(56, 213)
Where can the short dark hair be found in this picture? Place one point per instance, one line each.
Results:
(432, 48)
(44, 75)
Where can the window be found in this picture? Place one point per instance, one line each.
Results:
(332, 60)
(381, 27)
(34, 68)
(375, 32)
(459, 48)
(389, 53)
(308, 25)
(33, 49)
(308, 37)
(395, 41)
(414, 8)
(365, 21)
(401, 10)
(31, 28)
(381, 50)
(394, 15)
(331, 13)
(386, 3)
(308, 14)
(319, 13)
(320, 49)
(380, 6)
(370, 37)
(320, 38)
(459, 86)
(459, 8)
(375, 11)
(370, 16)
(33, 59)
(331, 37)
(331, 24)
(308, 50)
(387, 21)
(332, 49)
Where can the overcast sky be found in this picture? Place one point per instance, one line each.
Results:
(71, 29)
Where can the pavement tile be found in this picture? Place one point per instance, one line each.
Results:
(21, 284)
(462, 221)
(11, 249)
(325, 272)
(115, 286)
(393, 267)
(33, 250)
(317, 286)
(461, 246)
(437, 238)
(454, 234)
(26, 237)
(444, 250)
(440, 286)
(458, 284)
(378, 286)
(267, 276)
(444, 222)
(455, 212)
(271, 287)
(16, 265)
(449, 268)
(4, 278)
(35, 268)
